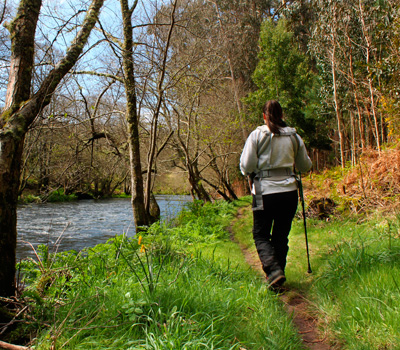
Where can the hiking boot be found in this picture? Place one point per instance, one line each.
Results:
(276, 278)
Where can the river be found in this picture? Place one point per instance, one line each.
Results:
(81, 224)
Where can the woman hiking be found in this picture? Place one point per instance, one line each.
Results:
(268, 158)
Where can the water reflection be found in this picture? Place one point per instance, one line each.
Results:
(80, 224)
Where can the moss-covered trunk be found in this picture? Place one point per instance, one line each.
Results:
(12, 133)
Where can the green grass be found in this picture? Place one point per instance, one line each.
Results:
(187, 286)
(180, 287)
(355, 284)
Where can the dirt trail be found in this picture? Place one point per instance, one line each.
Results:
(295, 304)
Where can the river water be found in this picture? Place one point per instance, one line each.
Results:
(81, 224)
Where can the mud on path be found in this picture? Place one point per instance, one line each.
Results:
(295, 303)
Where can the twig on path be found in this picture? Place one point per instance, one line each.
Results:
(8, 346)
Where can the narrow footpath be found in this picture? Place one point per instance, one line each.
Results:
(295, 303)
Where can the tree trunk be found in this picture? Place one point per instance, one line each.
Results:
(355, 91)
(10, 164)
(370, 83)
(197, 189)
(222, 177)
(353, 140)
(218, 190)
(230, 190)
(132, 118)
(20, 111)
(338, 109)
(149, 197)
(12, 132)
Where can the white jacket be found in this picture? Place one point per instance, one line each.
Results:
(277, 151)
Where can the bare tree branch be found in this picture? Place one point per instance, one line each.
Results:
(105, 75)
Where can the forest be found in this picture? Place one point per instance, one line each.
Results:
(102, 98)
(200, 70)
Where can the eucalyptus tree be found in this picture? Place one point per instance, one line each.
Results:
(327, 34)
(390, 88)
(22, 106)
(350, 41)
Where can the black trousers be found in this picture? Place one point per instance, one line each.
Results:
(271, 227)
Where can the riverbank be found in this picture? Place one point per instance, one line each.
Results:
(166, 184)
(59, 196)
(189, 286)
(182, 286)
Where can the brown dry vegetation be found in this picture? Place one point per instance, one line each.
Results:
(374, 183)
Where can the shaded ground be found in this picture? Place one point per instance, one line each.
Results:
(295, 303)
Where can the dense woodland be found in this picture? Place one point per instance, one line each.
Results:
(162, 94)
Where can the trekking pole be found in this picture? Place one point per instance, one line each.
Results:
(304, 220)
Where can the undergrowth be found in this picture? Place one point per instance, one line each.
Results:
(372, 184)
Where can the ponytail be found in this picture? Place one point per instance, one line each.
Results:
(273, 116)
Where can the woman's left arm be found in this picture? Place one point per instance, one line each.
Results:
(249, 158)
